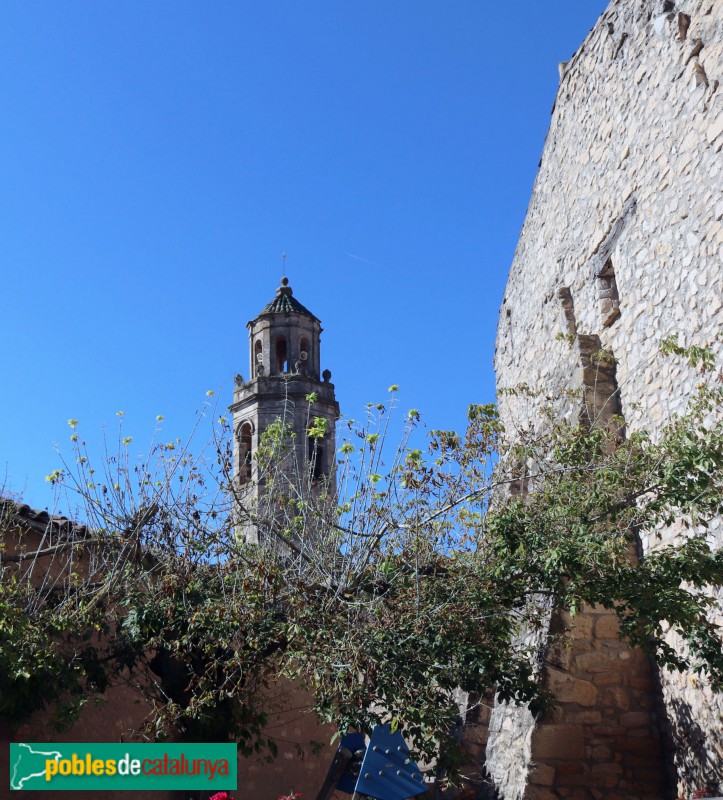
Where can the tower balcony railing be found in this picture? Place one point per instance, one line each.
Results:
(284, 383)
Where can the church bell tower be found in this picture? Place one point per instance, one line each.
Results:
(285, 369)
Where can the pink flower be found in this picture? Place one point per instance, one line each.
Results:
(221, 796)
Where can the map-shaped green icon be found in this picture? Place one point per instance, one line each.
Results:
(28, 764)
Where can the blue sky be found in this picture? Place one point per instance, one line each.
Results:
(157, 158)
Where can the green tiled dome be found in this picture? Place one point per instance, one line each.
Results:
(285, 303)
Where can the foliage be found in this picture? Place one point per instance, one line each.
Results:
(416, 574)
(36, 669)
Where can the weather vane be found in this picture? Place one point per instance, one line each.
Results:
(283, 263)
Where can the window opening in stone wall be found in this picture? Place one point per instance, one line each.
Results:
(304, 348)
(244, 465)
(568, 310)
(258, 356)
(281, 362)
(519, 484)
(608, 294)
(316, 458)
(601, 406)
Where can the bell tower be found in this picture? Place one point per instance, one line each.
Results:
(285, 370)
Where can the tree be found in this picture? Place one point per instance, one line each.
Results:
(414, 582)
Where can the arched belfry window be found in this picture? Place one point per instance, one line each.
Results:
(245, 445)
(304, 348)
(281, 354)
(258, 355)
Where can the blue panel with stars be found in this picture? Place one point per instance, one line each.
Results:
(388, 772)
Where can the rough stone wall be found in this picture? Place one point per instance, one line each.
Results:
(601, 737)
(623, 244)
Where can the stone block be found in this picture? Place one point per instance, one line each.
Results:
(583, 717)
(540, 793)
(561, 655)
(558, 741)
(715, 128)
(557, 713)
(566, 688)
(542, 775)
(637, 746)
(607, 627)
(581, 794)
(477, 734)
(575, 779)
(589, 661)
(608, 730)
(601, 753)
(601, 679)
(615, 698)
(610, 768)
(582, 625)
(634, 719)
(572, 768)
(476, 752)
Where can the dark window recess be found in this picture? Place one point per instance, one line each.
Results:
(519, 484)
(258, 355)
(244, 458)
(303, 363)
(601, 407)
(608, 297)
(316, 459)
(568, 309)
(281, 357)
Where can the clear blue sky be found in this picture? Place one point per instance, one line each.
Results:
(158, 157)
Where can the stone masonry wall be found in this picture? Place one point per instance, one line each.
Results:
(623, 243)
(601, 738)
